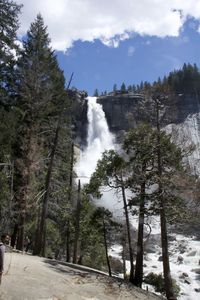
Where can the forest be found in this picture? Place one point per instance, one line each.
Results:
(40, 197)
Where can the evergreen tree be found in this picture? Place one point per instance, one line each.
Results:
(134, 89)
(168, 158)
(9, 12)
(123, 87)
(111, 172)
(96, 93)
(102, 219)
(114, 87)
(139, 145)
(41, 94)
(130, 88)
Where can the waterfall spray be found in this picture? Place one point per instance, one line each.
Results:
(99, 139)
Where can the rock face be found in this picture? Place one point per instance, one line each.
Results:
(123, 110)
(79, 114)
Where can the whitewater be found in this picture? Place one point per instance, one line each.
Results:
(99, 139)
(184, 251)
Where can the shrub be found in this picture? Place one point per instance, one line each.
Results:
(157, 281)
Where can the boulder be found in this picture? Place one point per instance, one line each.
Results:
(192, 253)
(180, 259)
(196, 270)
(183, 275)
(187, 280)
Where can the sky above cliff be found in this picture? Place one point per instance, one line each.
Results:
(107, 42)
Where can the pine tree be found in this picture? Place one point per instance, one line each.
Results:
(130, 88)
(123, 87)
(168, 158)
(9, 12)
(139, 145)
(114, 87)
(41, 92)
(111, 171)
(96, 93)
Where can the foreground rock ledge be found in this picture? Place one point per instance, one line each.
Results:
(27, 277)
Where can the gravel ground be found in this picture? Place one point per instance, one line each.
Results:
(29, 278)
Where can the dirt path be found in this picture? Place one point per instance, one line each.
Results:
(29, 278)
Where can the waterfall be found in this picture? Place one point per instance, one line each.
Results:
(99, 139)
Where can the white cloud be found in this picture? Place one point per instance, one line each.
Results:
(109, 21)
(131, 50)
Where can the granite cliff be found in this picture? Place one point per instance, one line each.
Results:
(122, 110)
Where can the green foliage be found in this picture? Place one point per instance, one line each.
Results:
(9, 11)
(5, 198)
(123, 87)
(96, 93)
(42, 100)
(92, 250)
(53, 240)
(157, 281)
(92, 244)
(116, 264)
(141, 146)
(115, 87)
(185, 80)
(108, 172)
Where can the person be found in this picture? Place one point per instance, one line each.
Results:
(4, 240)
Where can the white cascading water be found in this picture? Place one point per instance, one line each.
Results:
(99, 139)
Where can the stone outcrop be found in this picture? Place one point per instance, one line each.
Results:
(79, 115)
(123, 110)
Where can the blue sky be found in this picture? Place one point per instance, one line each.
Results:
(139, 58)
(107, 42)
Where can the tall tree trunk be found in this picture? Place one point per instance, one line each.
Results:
(123, 254)
(164, 237)
(71, 172)
(69, 201)
(68, 242)
(165, 253)
(22, 213)
(14, 235)
(41, 238)
(77, 225)
(106, 248)
(131, 277)
(140, 249)
(20, 237)
(35, 247)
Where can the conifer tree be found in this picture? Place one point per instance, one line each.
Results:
(123, 87)
(168, 158)
(96, 93)
(9, 12)
(111, 172)
(115, 87)
(41, 92)
(139, 145)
